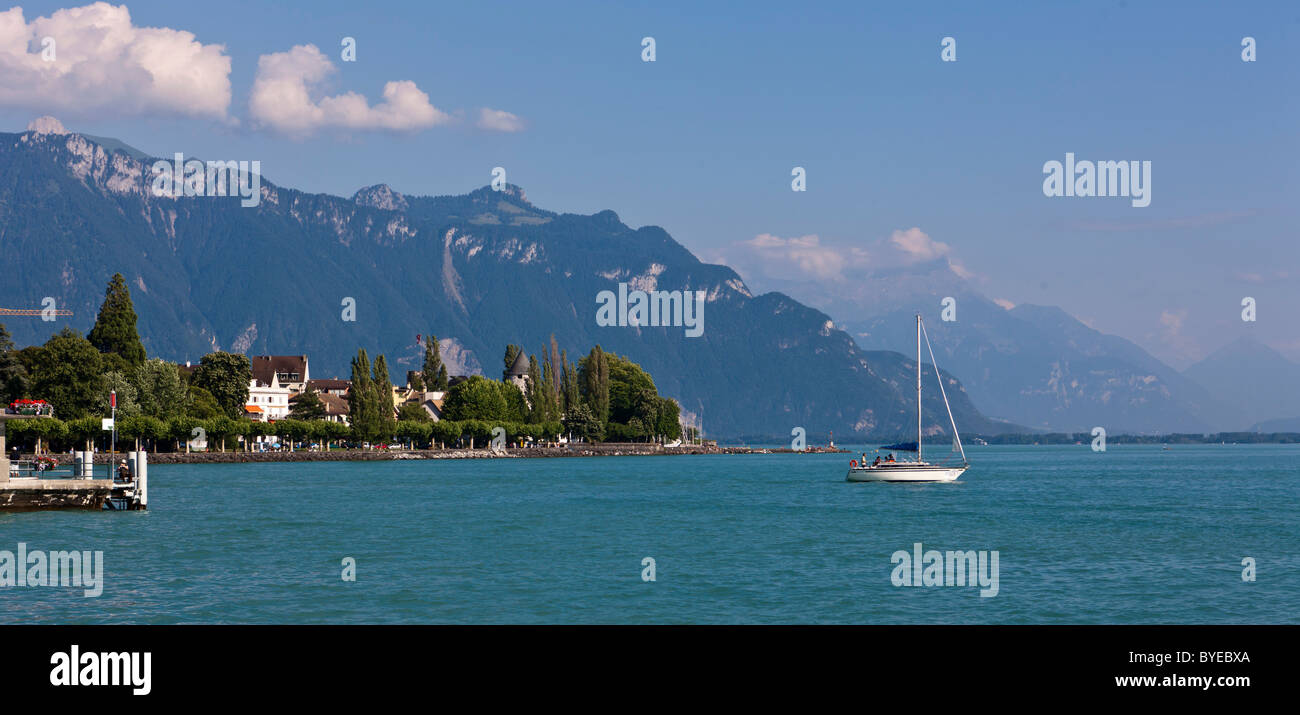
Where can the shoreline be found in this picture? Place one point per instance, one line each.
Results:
(372, 455)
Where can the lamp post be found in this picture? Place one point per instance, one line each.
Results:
(112, 402)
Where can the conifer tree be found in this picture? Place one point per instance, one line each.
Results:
(512, 354)
(114, 330)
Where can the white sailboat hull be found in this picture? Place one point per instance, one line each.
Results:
(905, 472)
(917, 471)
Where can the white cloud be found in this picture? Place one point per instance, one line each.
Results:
(104, 65)
(801, 257)
(917, 245)
(1006, 304)
(498, 120)
(1172, 320)
(46, 125)
(1173, 336)
(282, 99)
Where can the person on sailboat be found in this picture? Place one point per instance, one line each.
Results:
(877, 462)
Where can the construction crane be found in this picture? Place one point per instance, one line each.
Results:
(33, 312)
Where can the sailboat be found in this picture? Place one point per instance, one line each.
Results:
(919, 470)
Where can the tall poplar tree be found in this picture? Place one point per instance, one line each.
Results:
(435, 373)
(569, 390)
(536, 401)
(382, 384)
(593, 373)
(362, 410)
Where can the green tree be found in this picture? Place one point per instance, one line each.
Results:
(84, 430)
(43, 431)
(478, 432)
(412, 412)
(580, 422)
(477, 398)
(199, 404)
(669, 424)
(570, 392)
(306, 405)
(363, 409)
(446, 432)
(220, 428)
(130, 428)
(550, 387)
(14, 381)
(334, 431)
(536, 400)
(516, 406)
(512, 354)
(593, 378)
(226, 376)
(412, 431)
(127, 404)
(383, 387)
(114, 330)
(160, 392)
(181, 431)
(628, 387)
(435, 373)
(147, 428)
(69, 375)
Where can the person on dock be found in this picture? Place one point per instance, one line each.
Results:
(123, 472)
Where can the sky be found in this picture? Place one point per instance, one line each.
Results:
(702, 141)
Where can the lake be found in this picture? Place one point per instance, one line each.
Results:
(1136, 534)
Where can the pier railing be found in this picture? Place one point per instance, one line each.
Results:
(36, 469)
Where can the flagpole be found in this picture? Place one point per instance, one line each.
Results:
(112, 452)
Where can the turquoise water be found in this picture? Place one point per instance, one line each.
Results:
(1133, 535)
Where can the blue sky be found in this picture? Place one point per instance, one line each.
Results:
(702, 141)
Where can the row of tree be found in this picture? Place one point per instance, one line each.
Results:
(602, 397)
(223, 433)
(76, 373)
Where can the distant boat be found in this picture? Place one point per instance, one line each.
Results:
(918, 470)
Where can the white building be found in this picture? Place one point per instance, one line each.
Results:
(267, 402)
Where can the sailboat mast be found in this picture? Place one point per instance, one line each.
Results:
(918, 387)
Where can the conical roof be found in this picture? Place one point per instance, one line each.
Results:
(520, 368)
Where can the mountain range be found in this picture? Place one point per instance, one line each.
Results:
(1264, 385)
(1040, 366)
(478, 270)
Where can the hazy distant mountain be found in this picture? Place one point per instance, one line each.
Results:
(481, 270)
(1035, 365)
(1287, 424)
(1253, 377)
